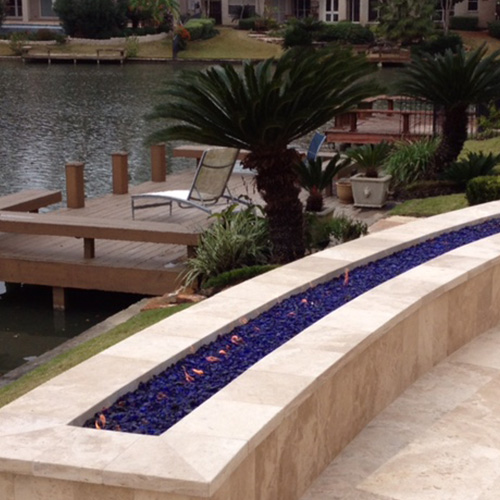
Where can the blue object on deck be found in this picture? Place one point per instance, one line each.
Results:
(315, 145)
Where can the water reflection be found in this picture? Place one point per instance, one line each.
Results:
(54, 114)
(29, 326)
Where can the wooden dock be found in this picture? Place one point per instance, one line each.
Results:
(50, 55)
(390, 119)
(99, 246)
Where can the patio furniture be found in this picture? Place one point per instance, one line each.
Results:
(209, 184)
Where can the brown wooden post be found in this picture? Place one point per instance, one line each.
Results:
(58, 298)
(120, 172)
(406, 122)
(158, 163)
(75, 185)
(353, 121)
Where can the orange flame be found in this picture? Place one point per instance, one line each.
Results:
(198, 372)
(346, 277)
(100, 422)
(237, 340)
(223, 352)
(189, 378)
(212, 359)
(304, 301)
(160, 396)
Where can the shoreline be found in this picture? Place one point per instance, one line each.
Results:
(89, 334)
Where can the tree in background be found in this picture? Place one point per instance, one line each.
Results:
(153, 13)
(263, 108)
(447, 7)
(406, 21)
(3, 11)
(92, 18)
(452, 82)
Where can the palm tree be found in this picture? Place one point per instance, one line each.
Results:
(263, 108)
(453, 81)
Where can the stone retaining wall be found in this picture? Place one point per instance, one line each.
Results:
(270, 432)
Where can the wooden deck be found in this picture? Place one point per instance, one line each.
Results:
(49, 56)
(118, 266)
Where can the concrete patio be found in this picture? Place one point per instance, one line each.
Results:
(440, 440)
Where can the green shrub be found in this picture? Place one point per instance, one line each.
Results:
(427, 189)
(370, 158)
(346, 32)
(410, 161)
(132, 46)
(483, 189)
(247, 24)
(297, 37)
(488, 124)
(473, 165)
(301, 32)
(16, 42)
(234, 240)
(91, 18)
(201, 29)
(494, 29)
(339, 229)
(257, 23)
(464, 23)
(236, 276)
(438, 44)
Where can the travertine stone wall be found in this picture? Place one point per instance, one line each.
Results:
(269, 433)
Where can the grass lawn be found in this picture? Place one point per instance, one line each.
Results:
(473, 39)
(229, 44)
(82, 352)
(425, 207)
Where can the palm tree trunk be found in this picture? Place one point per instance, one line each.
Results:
(277, 183)
(454, 135)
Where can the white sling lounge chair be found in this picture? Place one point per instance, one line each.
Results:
(209, 184)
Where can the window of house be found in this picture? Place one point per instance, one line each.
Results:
(332, 11)
(472, 5)
(302, 8)
(14, 8)
(373, 10)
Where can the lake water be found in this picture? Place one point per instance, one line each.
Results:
(50, 115)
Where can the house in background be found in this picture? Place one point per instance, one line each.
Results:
(225, 11)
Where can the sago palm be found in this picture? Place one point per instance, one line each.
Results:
(453, 81)
(263, 107)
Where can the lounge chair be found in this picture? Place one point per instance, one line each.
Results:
(209, 184)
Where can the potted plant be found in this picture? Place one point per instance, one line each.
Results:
(315, 178)
(368, 188)
(344, 190)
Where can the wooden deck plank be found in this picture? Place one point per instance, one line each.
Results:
(124, 266)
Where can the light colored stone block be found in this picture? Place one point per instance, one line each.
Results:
(7, 486)
(38, 488)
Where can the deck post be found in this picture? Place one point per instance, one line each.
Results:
(75, 185)
(406, 123)
(158, 163)
(120, 172)
(58, 298)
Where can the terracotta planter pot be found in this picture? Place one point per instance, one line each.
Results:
(344, 191)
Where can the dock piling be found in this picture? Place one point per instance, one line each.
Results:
(120, 172)
(75, 185)
(158, 163)
(58, 298)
